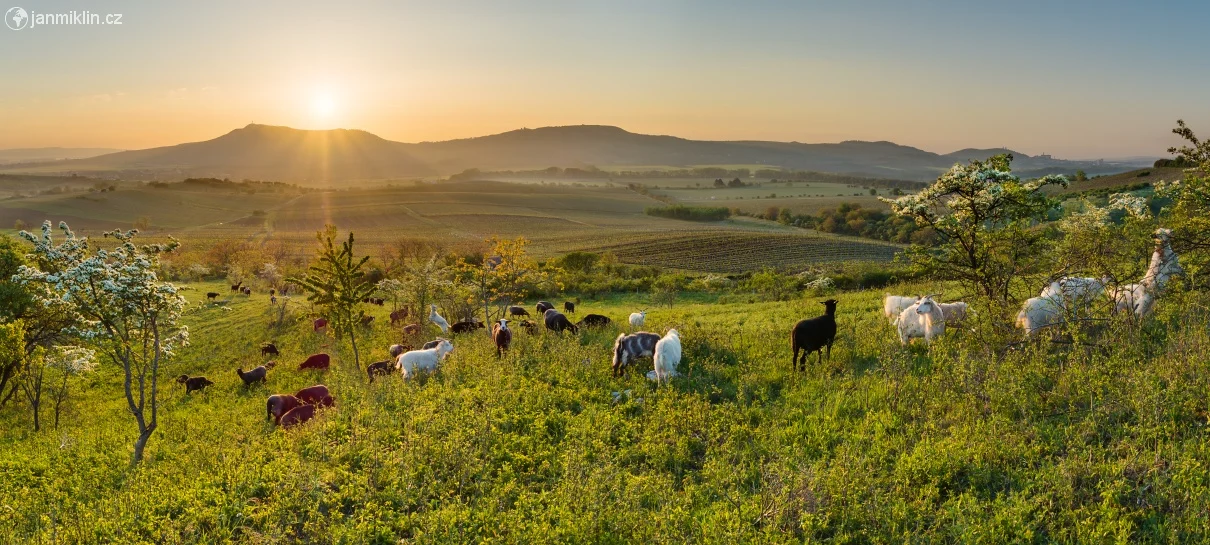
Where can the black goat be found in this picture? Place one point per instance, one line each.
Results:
(814, 334)
(594, 320)
(269, 349)
(466, 326)
(517, 311)
(194, 383)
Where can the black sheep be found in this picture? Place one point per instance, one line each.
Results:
(814, 335)
(569, 306)
(517, 311)
(466, 326)
(557, 322)
(194, 383)
(543, 306)
(211, 295)
(594, 320)
(269, 349)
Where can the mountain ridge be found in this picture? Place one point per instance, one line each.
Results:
(274, 152)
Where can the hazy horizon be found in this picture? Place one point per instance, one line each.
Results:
(1078, 80)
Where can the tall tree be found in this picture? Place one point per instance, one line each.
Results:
(118, 305)
(337, 283)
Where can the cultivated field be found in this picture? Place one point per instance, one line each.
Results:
(556, 218)
(882, 444)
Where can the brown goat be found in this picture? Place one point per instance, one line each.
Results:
(411, 329)
(398, 315)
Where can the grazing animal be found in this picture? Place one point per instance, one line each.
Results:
(502, 336)
(398, 315)
(411, 329)
(423, 360)
(321, 324)
(543, 306)
(246, 291)
(278, 405)
(594, 320)
(569, 306)
(270, 349)
(1037, 313)
(297, 415)
(954, 312)
(638, 318)
(529, 326)
(518, 311)
(367, 320)
(1083, 289)
(211, 295)
(626, 348)
(193, 383)
(667, 356)
(316, 361)
(924, 320)
(438, 321)
(893, 305)
(466, 326)
(432, 343)
(813, 335)
(257, 374)
(380, 368)
(396, 349)
(316, 395)
(1139, 298)
(236, 287)
(557, 322)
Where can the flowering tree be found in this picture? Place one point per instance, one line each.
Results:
(505, 276)
(336, 282)
(1190, 209)
(982, 214)
(118, 305)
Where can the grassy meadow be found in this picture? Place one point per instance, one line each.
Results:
(883, 443)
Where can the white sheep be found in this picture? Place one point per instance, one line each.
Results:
(637, 318)
(921, 320)
(954, 312)
(423, 360)
(1039, 312)
(893, 305)
(667, 357)
(437, 320)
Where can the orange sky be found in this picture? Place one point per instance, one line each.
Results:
(927, 77)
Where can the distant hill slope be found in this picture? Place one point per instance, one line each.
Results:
(286, 154)
(1125, 179)
(27, 155)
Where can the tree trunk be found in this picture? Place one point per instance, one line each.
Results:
(353, 341)
(141, 443)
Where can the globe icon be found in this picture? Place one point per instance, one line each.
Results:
(16, 18)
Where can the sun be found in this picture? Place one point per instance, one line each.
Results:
(323, 107)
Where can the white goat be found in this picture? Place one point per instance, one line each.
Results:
(1076, 288)
(438, 320)
(893, 305)
(667, 357)
(921, 320)
(1039, 312)
(1139, 298)
(423, 360)
(637, 318)
(954, 312)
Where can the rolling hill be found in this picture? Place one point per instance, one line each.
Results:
(285, 154)
(28, 155)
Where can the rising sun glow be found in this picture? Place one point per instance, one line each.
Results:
(323, 107)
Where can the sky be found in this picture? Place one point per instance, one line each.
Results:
(1077, 79)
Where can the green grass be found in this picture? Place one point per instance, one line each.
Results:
(882, 444)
